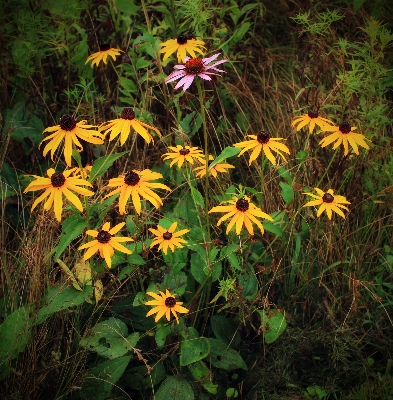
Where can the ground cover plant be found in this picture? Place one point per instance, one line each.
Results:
(196, 200)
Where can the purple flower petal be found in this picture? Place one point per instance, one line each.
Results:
(204, 76)
(216, 63)
(174, 76)
(210, 59)
(179, 67)
(185, 82)
(186, 58)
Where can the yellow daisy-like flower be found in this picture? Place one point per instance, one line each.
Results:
(70, 131)
(136, 184)
(242, 211)
(165, 304)
(263, 141)
(102, 55)
(219, 167)
(56, 185)
(183, 46)
(180, 154)
(311, 119)
(123, 127)
(82, 172)
(344, 134)
(105, 242)
(168, 237)
(328, 202)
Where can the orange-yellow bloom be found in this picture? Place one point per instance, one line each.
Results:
(102, 55)
(219, 167)
(180, 154)
(168, 237)
(311, 119)
(327, 202)
(183, 46)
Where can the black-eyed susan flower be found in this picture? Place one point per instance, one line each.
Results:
(263, 142)
(102, 55)
(241, 211)
(122, 126)
(328, 202)
(183, 46)
(165, 304)
(71, 131)
(344, 134)
(168, 237)
(56, 185)
(136, 184)
(180, 154)
(219, 167)
(105, 242)
(311, 119)
(83, 172)
(194, 67)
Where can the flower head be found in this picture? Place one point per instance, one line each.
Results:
(105, 242)
(102, 55)
(180, 154)
(312, 118)
(82, 172)
(219, 167)
(168, 237)
(71, 131)
(56, 185)
(194, 67)
(183, 46)
(263, 141)
(241, 211)
(328, 202)
(165, 304)
(344, 134)
(124, 125)
(137, 184)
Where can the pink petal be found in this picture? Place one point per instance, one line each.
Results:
(186, 59)
(185, 82)
(209, 59)
(215, 69)
(174, 76)
(204, 76)
(217, 63)
(179, 67)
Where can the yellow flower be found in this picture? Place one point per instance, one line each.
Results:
(328, 202)
(219, 167)
(136, 184)
(105, 242)
(57, 184)
(183, 46)
(70, 131)
(263, 141)
(105, 51)
(168, 237)
(343, 134)
(82, 172)
(180, 154)
(242, 211)
(165, 304)
(123, 127)
(312, 118)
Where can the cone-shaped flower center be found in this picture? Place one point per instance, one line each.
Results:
(313, 114)
(194, 66)
(167, 235)
(263, 137)
(132, 178)
(242, 205)
(182, 39)
(345, 127)
(184, 152)
(103, 236)
(170, 302)
(105, 47)
(327, 198)
(127, 113)
(67, 122)
(57, 179)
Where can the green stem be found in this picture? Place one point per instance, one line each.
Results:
(327, 168)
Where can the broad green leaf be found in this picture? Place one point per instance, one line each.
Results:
(197, 267)
(230, 252)
(203, 375)
(175, 283)
(357, 4)
(127, 6)
(101, 165)
(225, 329)
(285, 174)
(273, 228)
(161, 333)
(249, 283)
(286, 192)
(126, 271)
(226, 153)
(223, 357)
(72, 227)
(302, 155)
(135, 259)
(175, 388)
(198, 198)
(273, 323)
(70, 275)
(192, 350)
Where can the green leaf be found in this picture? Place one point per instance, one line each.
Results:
(101, 165)
(302, 155)
(193, 350)
(286, 192)
(175, 388)
(127, 6)
(273, 323)
(72, 227)
(197, 266)
(198, 198)
(273, 228)
(225, 329)
(226, 153)
(249, 283)
(98, 382)
(285, 174)
(161, 333)
(175, 283)
(135, 259)
(357, 4)
(230, 252)
(224, 358)
(128, 85)
(203, 375)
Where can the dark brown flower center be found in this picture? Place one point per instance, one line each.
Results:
(194, 66)
(67, 122)
(167, 235)
(263, 137)
(345, 127)
(242, 205)
(127, 113)
(327, 198)
(105, 47)
(313, 114)
(103, 236)
(182, 39)
(184, 152)
(132, 178)
(170, 302)
(57, 179)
